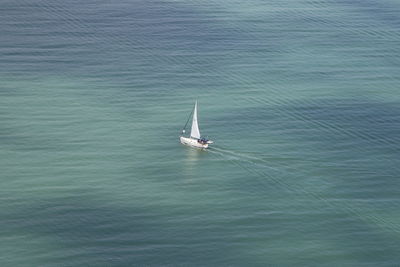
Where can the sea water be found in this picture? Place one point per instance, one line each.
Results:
(301, 98)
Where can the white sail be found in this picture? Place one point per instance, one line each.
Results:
(195, 133)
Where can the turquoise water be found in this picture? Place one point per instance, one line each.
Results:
(301, 98)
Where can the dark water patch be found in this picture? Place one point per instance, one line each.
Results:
(61, 226)
(379, 10)
(158, 233)
(162, 31)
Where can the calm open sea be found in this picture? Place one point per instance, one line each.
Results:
(302, 99)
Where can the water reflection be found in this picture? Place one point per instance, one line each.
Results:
(193, 158)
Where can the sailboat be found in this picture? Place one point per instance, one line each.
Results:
(195, 139)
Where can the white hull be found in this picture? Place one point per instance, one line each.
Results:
(192, 142)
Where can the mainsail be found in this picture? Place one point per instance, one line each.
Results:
(195, 133)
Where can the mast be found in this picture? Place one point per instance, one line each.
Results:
(195, 132)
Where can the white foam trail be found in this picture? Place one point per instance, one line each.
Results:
(242, 158)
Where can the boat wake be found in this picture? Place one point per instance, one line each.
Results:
(241, 157)
(261, 168)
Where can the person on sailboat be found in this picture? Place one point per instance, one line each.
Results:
(202, 141)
